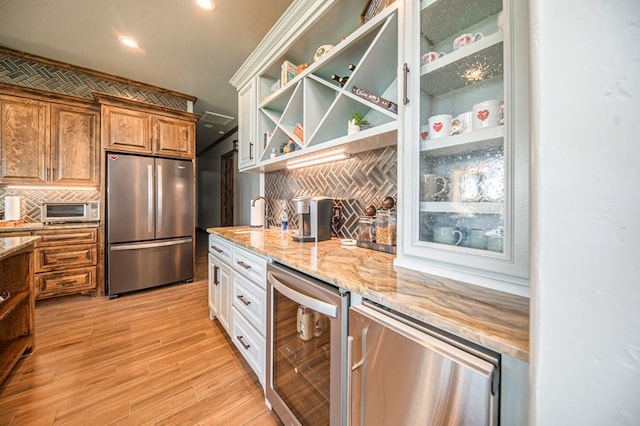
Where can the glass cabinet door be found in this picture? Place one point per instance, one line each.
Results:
(461, 140)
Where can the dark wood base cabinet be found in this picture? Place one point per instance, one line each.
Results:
(17, 311)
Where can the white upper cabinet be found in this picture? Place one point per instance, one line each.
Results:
(247, 126)
(309, 114)
(464, 189)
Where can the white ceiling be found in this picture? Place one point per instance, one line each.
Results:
(183, 48)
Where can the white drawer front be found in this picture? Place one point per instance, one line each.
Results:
(250, 301)
(220, 248)
(250, 344)
(251, 265)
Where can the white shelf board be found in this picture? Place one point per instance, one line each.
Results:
(490, 137)
(365, 140)
(473, 63)
(462, 208)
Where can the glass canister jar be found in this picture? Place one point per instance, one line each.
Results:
(365, 233)
(386, 227)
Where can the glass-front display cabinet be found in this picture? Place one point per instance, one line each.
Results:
(465, 142)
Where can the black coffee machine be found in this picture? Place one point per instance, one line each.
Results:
(314, 219)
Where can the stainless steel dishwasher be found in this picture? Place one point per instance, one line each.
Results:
(406, 373)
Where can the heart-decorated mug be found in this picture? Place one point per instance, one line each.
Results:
(466, 39)
(440, 126)
(486, 114)
(431, 56)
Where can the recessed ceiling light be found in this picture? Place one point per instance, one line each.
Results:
(205, 4)
(129, 42)
(208, 125)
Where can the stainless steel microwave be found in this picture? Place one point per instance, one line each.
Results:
(70, 211)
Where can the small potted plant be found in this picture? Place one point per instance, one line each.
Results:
(356, 123)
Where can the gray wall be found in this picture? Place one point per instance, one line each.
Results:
(246, 185)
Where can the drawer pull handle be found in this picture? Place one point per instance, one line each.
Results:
(216, 281)
(243, 300)
(218, 249)
(242, 342)
(244, 265)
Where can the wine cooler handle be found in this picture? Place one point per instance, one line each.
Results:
(315, 304)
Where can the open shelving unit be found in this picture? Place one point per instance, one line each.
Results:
(322, 106)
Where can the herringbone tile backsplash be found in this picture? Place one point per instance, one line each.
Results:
(27, 73)
(31, 199)
(364, 179)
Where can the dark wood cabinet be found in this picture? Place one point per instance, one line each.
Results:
(126, 129)
(173, 137)
(130, 126)
(24, 141)
(17, 319)
(74, 145)
(44, 143)
(66, 261)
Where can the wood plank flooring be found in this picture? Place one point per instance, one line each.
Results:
(151, 357)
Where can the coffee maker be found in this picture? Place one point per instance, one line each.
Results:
(314, 219)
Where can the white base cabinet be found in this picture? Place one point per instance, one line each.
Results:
(237, 298)
(220, 280)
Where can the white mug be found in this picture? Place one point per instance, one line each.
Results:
(431, 56)
(465, 121)
(466, 39)
(433, 187)
(447, 235)
(486, 114)
(440, 126)
(478, 239)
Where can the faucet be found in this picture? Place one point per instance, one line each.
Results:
(265, 221)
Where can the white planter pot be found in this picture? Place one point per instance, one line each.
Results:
(352, 128)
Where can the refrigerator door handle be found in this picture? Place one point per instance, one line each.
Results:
(149, 198)
(159, 217)
(137, 246)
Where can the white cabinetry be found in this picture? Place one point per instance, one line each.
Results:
(220, 280)
(464, 194)
(314, 101)
(237, 282)
(247, 144)
(248, 317)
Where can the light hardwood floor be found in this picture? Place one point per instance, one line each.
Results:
(151, 357)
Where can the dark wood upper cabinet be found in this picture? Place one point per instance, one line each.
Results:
(74, 145)
(24, 141)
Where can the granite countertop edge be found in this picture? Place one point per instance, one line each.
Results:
(493, 319)
(11, 245)
(37, 226)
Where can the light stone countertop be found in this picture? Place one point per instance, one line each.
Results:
(13, 244)
(496, 320)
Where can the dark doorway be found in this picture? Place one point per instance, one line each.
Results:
(227, 190)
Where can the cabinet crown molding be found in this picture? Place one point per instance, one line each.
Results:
(106, 99)
(284, 32)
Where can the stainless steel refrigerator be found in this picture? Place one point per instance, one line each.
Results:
(149, 218)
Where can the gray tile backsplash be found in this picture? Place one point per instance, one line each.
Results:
(354, 183)
(31, 199)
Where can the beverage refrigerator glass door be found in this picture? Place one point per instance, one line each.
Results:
(306, 348)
